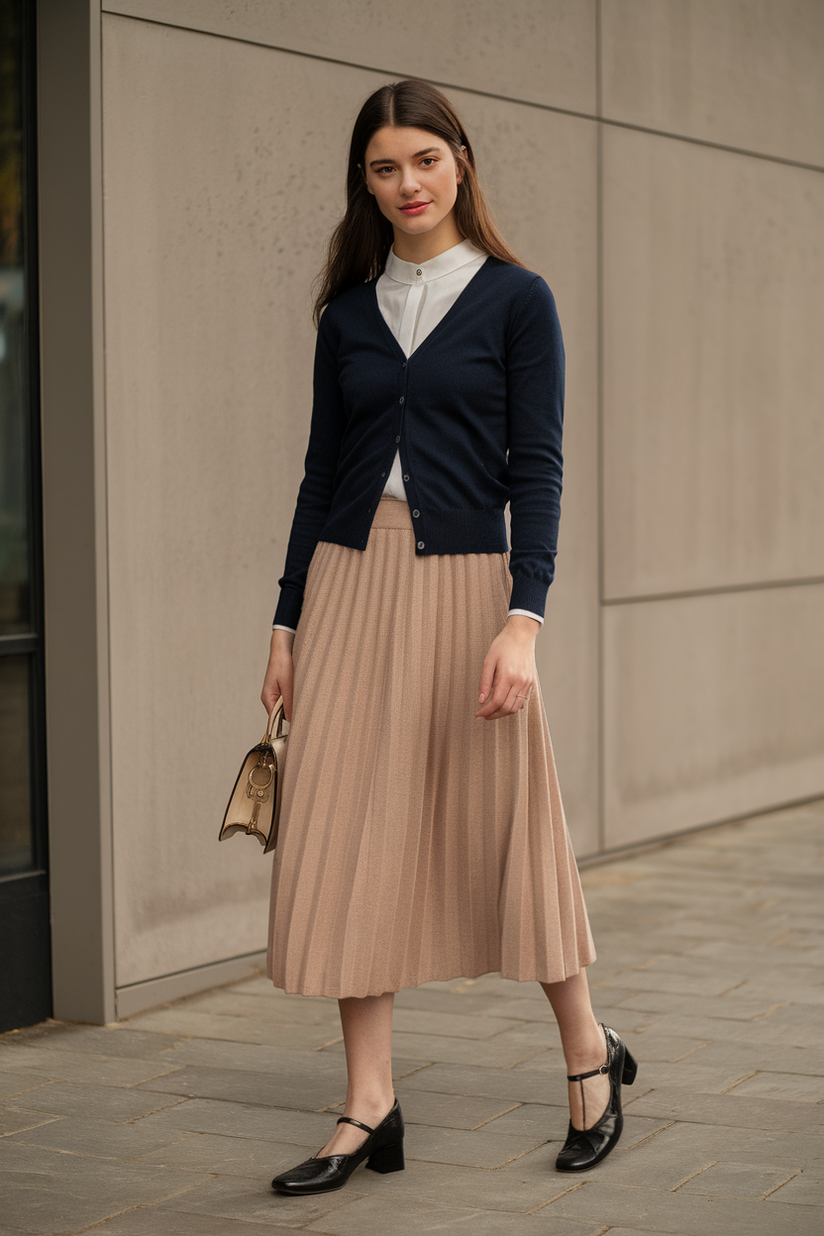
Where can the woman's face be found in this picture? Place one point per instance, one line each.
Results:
(414, 178)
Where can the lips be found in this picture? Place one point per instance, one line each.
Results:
(415, 208)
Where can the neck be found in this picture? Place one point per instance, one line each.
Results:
(428, 244)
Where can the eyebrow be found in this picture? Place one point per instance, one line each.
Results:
(418, 155)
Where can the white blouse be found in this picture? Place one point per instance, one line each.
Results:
(413, 297)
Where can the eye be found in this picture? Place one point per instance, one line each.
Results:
(429, 159)
(388, 168)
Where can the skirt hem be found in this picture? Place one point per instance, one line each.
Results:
(433, 978)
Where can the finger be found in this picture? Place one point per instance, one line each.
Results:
(487, 677)
(516, 699)
(522, 694)
(511, 704)
(270, 694)
(493, 699)
(522, 698)
(497, 699)
(271, 698)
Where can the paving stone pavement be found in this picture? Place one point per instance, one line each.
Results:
(711, 966)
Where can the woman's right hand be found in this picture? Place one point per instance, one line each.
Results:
(279, 673)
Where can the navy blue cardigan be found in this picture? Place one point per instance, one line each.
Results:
(476, 411)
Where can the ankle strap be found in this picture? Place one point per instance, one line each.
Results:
(349, 1120)
(593, 1073)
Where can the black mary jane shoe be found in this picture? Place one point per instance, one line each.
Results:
(584, 1148)
(383, 1151)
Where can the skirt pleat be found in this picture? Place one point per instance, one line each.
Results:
(416, 842)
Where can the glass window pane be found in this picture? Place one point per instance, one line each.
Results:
(15, 829)
(15, 614)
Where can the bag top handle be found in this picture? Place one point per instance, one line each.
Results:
(273, 717)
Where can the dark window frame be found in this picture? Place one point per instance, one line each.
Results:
(32, 643)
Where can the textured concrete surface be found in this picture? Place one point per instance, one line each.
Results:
(543, 52)
(205, 180)
(705, 388)
(712, 703)
(737, 73)
(215, 224)
(710, 966)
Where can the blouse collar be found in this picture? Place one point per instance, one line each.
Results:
(424, 272)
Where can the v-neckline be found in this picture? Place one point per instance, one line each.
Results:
(435, 329)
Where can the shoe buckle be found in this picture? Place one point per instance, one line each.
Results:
(604, 1068)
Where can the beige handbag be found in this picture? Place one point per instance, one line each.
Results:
(254, 807)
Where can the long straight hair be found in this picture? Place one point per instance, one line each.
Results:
(359, 245)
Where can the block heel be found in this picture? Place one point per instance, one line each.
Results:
(630, 1070)
(387, 1159)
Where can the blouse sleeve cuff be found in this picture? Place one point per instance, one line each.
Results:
(278, 626)
(527, 613)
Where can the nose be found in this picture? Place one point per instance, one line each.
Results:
(410, 182)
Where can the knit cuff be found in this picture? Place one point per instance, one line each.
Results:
(528, 593)
(290, 603)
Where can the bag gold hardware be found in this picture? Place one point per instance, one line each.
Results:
(254, 804)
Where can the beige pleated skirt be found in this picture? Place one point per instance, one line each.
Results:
(416, 842)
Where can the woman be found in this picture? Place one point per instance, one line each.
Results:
(418, 841)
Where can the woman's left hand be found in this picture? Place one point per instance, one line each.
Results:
(509, 673)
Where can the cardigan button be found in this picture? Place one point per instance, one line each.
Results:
(402, 400)
(415, 514)
(406, 476)
(398, 438)
(383, 474)
(420, 544)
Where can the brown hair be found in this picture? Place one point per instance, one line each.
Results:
(359, 245)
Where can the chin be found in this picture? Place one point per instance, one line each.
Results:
(418, 223)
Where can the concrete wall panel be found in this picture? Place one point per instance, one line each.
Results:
(537, 50)
(743, 73)
(214, 222)
(225, 132)
(215, 225)
(713, 708)
(713, 370)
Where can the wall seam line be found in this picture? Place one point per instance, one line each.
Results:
(104, 411)
(599, 418)
(722, 590)
(484, 94)
(634, 848)
(195, 969)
